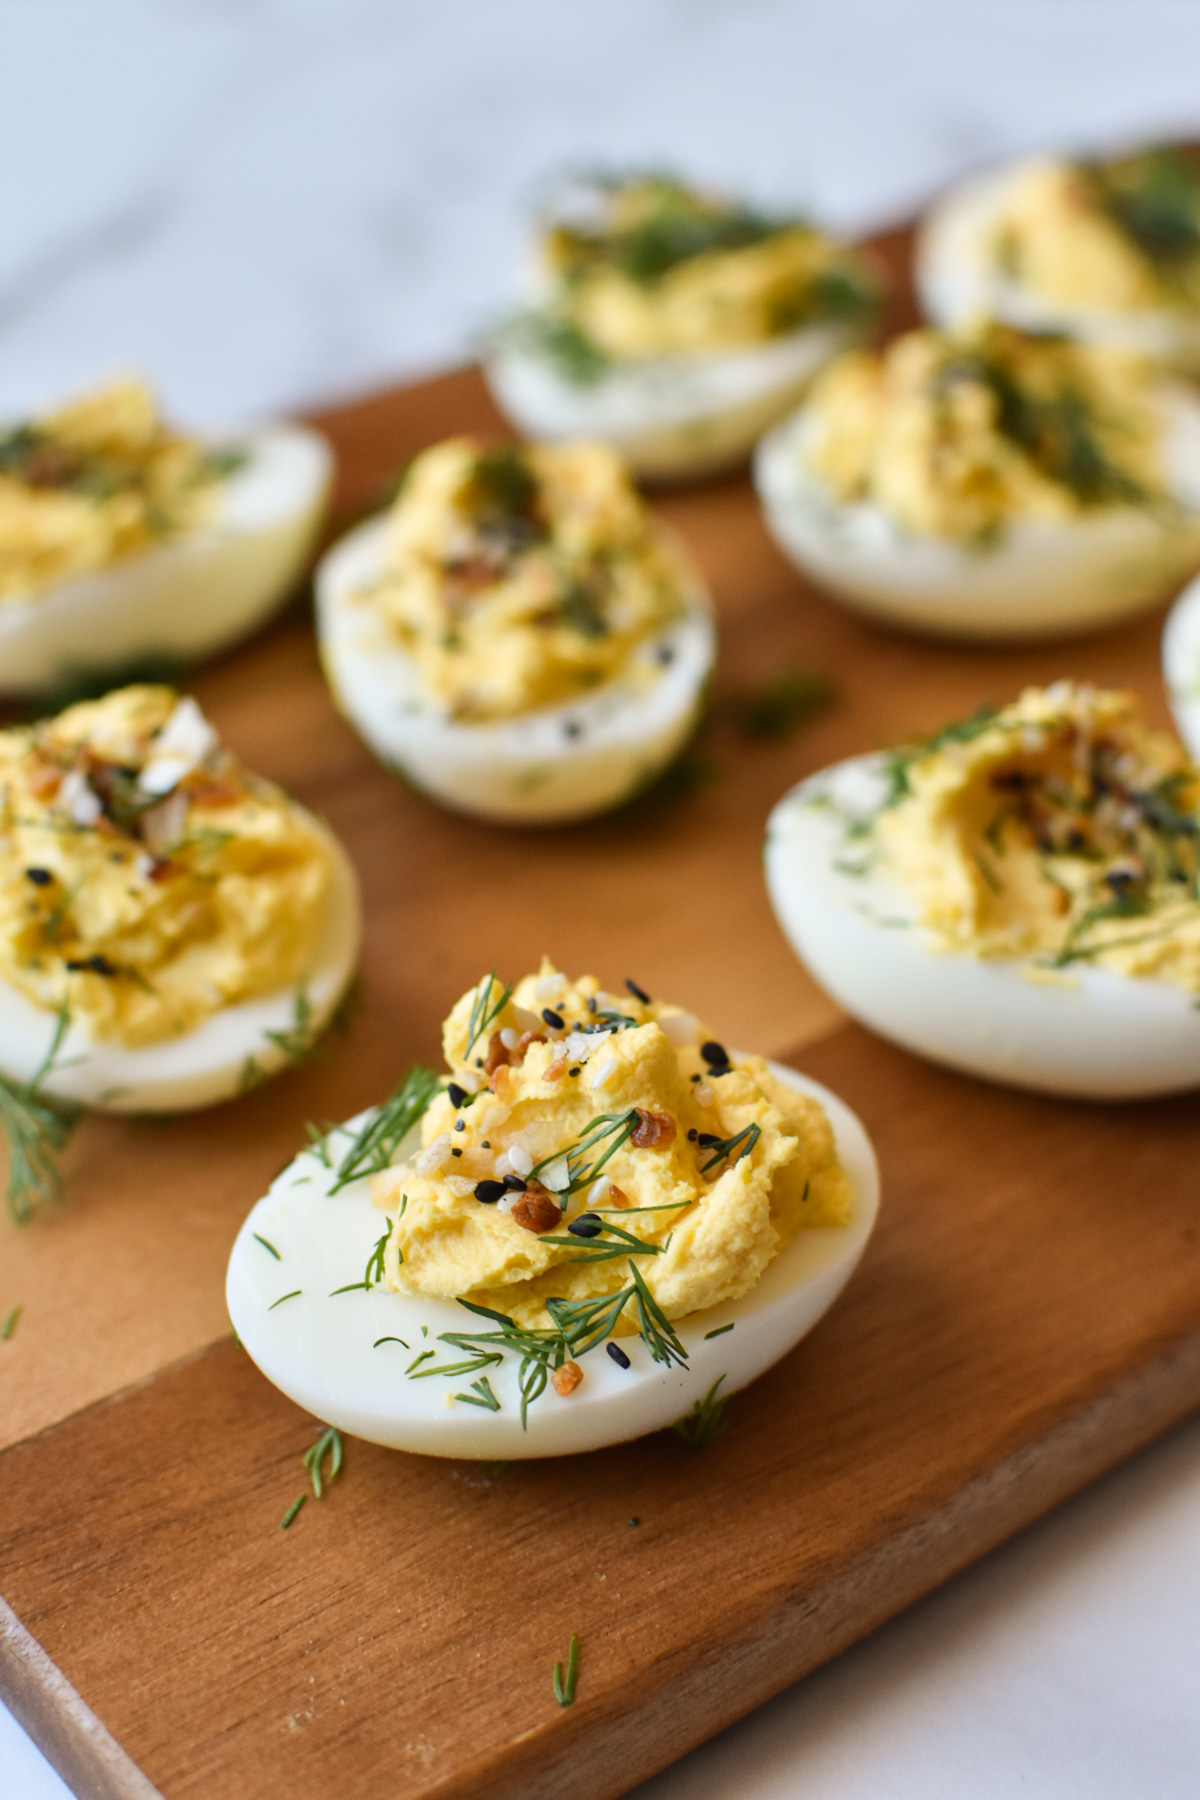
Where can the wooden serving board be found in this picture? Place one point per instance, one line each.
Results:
(1027, 1314)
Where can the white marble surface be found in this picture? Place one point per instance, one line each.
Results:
(267, 202)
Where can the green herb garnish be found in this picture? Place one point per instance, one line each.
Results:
(323, 1460)
(706, 1420)
(37, 1127)
(374, 1145)
(564, 1686)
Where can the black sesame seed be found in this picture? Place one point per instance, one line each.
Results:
(39, 877)
(486, 1145)
(514, 1184)
(637, 992)
(489, 1191)
(666, 653)
(692, 1136)
(573, 1071)
(635, 1521)
(618, 1356)
(554, 1020)
(479, 1062)
(458, 1095)
(591, 1003)
(460, 1124)
(714, 1054)
(695, 1078)
(456, 1152)
(92, 965)
(587, 1225)
(573, 728)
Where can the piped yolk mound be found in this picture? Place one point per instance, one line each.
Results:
(146, 879)
(1061, 829)
(95, 482)
(646, 266)
(518, 577)
(576, 1105)
(961, 437)
(1121, 235)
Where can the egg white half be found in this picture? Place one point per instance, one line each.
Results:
(1181, 664)
(1088, 1032)
(1043, 578)
(562, 762)
(319, 1347)
(672, 418)
(205, 1065)
(959, 283)
(188, 597)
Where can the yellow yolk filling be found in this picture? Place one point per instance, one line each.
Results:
(1054, 234)
(1061, 828)
(715, 1229)
(519, 578)
(635, 286)
(145, 913)
(957, 438)
(93, 483)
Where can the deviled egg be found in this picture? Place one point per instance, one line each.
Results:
(122, 542)
(1106, 250)
(1019, 896)
(672, 322)
(173, 929)
(595, 1219)
(994, 485)
(518, 637)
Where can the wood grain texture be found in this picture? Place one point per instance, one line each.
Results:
(1026, 1316)
(1028, 1312)
(44, 1703)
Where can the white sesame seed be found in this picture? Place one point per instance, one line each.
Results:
(604, 1073)
(506, 1202)
(519, 1159)
(510, 1038)
(526, 1020)
(598, 1191)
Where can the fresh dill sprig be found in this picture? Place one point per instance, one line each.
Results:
(483, 1395)
(10, 1323)
(292, 1510)
(373, 1274)
(564, 1686)
(723, 1148)
(611, 1129)
(603, 1248)
(485, 1008)
(779, 708)
(267, 1245)
(37, 1126)
(706, 1420)
(323, 1460)
(722, 1329)
(294, 1295)
(656, 1329)
(375, 1144)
